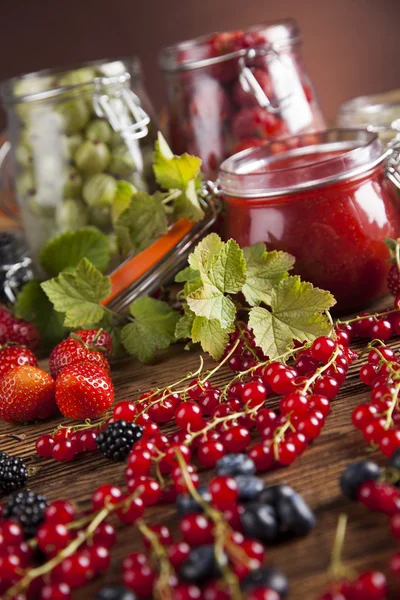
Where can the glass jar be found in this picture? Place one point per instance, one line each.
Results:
(328, 198)
(73, 135)
(379, 113)
(235, 90)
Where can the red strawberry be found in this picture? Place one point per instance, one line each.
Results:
(17, 330)
(101, 341)
(15, 356)
(393, 279)
(84, 391)
(72, 351)
(26, 394)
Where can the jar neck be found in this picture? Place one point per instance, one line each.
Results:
(309, 161)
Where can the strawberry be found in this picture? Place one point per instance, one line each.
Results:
(17, 330)
(72, 351)
(15, 356)
(26, 394)
(393, 279)
(84, 391)
(97, 339)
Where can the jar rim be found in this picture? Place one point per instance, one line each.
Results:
(279, 35)
(114, 70)
(320, 159)
(374, 111)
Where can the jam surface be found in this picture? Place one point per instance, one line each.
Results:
(336, 233)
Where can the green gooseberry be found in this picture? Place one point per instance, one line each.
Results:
(23, 155)
(100, 217)
(122, 163)
(32, 85)
(71, 143)
(75, 114)
(71, 213)
(98, 131)
(116, 139)
(73, 183)
(99, 190)
(77, 77)
(25, 184)
(92, 157)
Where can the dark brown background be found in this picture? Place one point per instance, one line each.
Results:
(352, 47)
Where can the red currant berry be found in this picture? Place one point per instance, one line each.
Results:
(140, 461)
(99, 557)
(105, 535)
(44, 446)
(306, 364)
(283, 381)
(55, 591)
(253, 394)
(10, 533)
(189, 415)
(371, 585)
(362, 327)
(104, 495)
(209, 453)
(131, 511)
(322, 349)
(326, 386)
(262, 455)
(236, 438)
(294, 403)
(150, 489)
(224, 492)
(162, 533)
(60, 511)
(196, 530)
(178, 553)
(63, 450)
(88, 440)
(140, 580)
(125, 411)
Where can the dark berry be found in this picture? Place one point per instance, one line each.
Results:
(235, 464)
(117, 440)
(355, 475)
(294, 515)
(249, 486)
(200, 565)
(117, 592)
(185, 503)
(13, 474)
(266, 577)
(27, 508)
(274, 494)
(259, 521)
(394, 461)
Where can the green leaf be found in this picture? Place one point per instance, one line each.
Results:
(142, 222)
(153, 328)
(205, 252)
(183, 329)
(212, 337)
(187, 274)
(66, 250)
(297, 314)
(228, 269)
(174, 172)
(77, 294)
(122, 199)
(263, 272)
(187, 204)
(33, 305)
(208, 301)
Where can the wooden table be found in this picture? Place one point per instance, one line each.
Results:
(369, 543)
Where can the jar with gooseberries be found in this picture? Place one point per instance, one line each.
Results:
(234, 90)
(73, 135)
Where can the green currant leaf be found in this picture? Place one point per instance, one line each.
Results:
(153, 328)
(205, 252)
(298, 313)
(212, 337)
(174, 172)
(142, 222)
(122, 199)
(78, 293)
(208, 301)
(228, 268)
(264, 271)
(187, 204)
(187, 274)
(65, 251)
(183, 329)
(33, 305)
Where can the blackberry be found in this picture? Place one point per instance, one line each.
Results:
(27, 508)
(13, 473)
(116, 441)
(115, 592)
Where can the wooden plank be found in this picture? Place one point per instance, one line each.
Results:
(315, 475)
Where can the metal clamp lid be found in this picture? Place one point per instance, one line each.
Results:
(131, 124)
(393, 163)
(250, 84)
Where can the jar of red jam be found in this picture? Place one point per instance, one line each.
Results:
(328, 198)
(235, 90)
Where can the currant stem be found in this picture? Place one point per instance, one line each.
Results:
(337, 570)
(319, 371)
(162, 589)
(363, 317)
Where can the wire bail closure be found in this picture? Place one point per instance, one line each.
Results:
(250, 84)
(133, 124)
(393, 163)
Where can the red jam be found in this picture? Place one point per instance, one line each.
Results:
(334, 228)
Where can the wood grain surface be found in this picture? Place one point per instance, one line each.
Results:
(369, 543)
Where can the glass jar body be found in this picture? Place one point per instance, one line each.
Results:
(67, 156)
(212, 115)
(336, 233)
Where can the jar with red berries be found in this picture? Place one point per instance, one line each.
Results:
(234, 90)
(328, 198)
